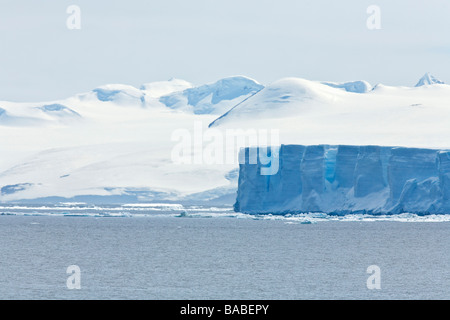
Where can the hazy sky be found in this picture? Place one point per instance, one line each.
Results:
(139, 41)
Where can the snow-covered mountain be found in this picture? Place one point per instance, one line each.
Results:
(35, 115)
(214, 98)
(284, 98)
(308, 112)
(428, 79)
(116, 142)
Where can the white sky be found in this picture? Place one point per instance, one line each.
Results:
(139, 41)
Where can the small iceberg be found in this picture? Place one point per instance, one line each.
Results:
(183, 214)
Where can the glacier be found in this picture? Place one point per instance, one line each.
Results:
(344, 179)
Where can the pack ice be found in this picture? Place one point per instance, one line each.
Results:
(342, 179)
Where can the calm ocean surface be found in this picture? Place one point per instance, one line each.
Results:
(216, 254)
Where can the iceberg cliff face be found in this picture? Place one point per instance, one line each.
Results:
(347, 179)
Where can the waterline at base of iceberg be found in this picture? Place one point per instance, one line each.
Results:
(179, 211)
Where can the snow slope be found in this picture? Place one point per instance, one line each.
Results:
(113, 142)
(307, 112)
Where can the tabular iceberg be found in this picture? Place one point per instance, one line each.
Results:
(343, 179)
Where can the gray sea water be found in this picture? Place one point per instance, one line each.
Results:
(172, 252)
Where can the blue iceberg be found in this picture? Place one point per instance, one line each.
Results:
(342, 179)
